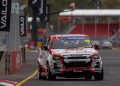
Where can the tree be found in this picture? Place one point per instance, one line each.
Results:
(111, 4)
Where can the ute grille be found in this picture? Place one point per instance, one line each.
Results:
(77, 62)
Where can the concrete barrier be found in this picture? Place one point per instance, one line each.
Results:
(15, 61)
(2, 60)
(12, 64)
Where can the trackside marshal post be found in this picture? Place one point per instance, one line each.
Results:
(5, 11)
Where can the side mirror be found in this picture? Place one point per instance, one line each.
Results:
(44, 47)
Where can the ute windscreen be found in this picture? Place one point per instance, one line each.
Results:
(70, 42)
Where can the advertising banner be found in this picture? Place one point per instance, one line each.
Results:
(22, 25)
(40, 10)
(5, 13)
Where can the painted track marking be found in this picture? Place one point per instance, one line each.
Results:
(28, 78)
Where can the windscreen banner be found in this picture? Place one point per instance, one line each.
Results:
(5, 13)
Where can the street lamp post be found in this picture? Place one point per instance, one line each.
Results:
(96, 18)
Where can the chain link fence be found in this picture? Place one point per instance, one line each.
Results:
(12, 60)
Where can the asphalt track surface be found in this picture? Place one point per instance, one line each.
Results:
(111, 62)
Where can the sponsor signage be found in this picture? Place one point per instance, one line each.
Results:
(22, 25)
(40, 10)
(5, 11)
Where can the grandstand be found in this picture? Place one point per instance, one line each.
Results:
(96, 28)
(101, 29)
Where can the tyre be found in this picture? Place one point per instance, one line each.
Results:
(88, 76)
(99, 75)
(49, 74)
(39, 73)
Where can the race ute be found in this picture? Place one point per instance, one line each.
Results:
(69, 56)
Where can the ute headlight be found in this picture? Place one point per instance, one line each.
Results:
(56, 57)
(95, 56)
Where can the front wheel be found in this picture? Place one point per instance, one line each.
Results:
(40, 73)
(49, 74)
(99, 75)
(88, 76)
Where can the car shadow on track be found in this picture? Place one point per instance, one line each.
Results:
(71, 80)
(67, 79)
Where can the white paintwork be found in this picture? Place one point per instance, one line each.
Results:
(91, 12)
(73, 51)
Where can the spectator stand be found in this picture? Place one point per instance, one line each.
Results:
(110, 19)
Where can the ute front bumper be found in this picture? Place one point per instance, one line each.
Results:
(58, 68)
(75, 70)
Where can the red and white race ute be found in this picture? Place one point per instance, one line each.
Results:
(71, 55)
